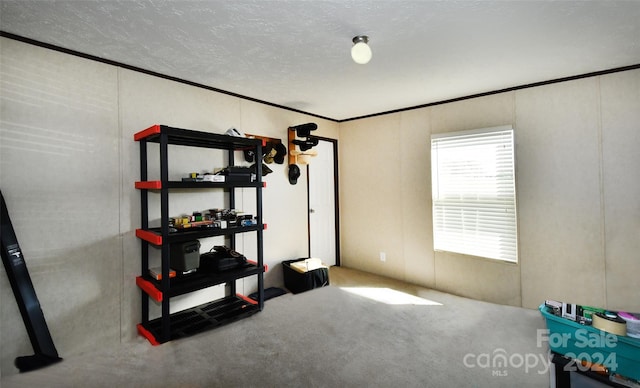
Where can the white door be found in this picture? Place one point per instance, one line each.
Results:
(322, 204)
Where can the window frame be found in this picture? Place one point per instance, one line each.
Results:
(480, 240)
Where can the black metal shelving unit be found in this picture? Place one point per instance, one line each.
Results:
(215, 313)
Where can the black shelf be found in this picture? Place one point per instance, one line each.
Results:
(200, 318)
(231, 307)
(154, 235)
(184, 284)
(157, 185)
(191, 138)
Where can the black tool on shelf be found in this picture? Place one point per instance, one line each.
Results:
(32, 315)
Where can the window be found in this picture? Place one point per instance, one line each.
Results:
(474, 193)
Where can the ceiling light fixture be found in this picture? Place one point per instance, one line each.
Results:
(361, 52)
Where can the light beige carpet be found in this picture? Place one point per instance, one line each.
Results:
(330, 337)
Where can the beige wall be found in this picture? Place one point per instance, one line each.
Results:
(67, 171)
(68, 163)
(60, 177)
(620, 101)
(577, 154)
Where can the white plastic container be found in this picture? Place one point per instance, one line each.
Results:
(633, 323)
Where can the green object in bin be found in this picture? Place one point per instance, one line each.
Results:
(588, 311)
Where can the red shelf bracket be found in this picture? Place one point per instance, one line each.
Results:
(247, 299)
(151, 185)
(149, 288)
(149, 236)
(147, 334)
(152, 130)
(266, 267)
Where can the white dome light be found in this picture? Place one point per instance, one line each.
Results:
(361, 52)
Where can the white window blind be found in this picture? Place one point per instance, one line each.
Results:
(474, 193)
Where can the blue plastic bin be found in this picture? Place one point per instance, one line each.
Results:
(620, 354)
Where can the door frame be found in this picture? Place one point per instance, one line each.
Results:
(336, 191)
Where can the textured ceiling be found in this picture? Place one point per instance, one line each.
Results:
(296, 53)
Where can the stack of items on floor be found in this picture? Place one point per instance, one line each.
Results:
(607, 342)
(302, 275)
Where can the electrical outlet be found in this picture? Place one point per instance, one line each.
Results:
(383, 256)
